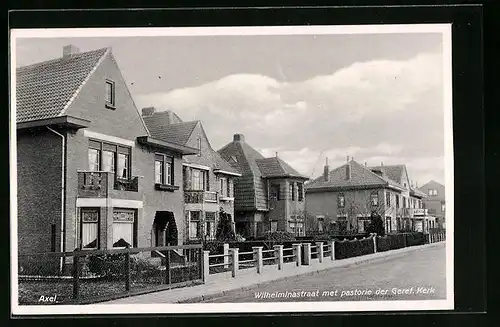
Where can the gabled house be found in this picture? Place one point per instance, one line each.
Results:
(343, 199)
(208, 180)
(435, 202)
(269, 196)
(86, 161)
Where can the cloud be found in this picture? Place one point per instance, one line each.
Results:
(368, 109)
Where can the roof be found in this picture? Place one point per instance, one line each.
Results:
(157, 120)
(245, 156)
(167, 126)
(417, 192)
(361, 176)
(394, 172)
(275, 167)
(176, 133)
(44, 90)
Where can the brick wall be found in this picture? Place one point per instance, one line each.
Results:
(39, 189)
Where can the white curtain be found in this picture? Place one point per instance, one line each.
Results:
(123, 230)
(89, 235)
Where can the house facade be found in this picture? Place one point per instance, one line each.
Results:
(269, 194)
(435, 202)
(207, 179)
(343, 199)
(86, 161)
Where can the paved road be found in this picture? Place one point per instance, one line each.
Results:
(419, 275)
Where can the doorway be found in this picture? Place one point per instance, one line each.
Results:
(164, 229)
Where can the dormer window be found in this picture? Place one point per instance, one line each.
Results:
(110, 94)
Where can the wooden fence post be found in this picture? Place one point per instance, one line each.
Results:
(332, 249)
(319, 246)
(298, 254)
(168, 275)
(375, 243)
(257, 255)
(76, 276)
(278, 252)
(206, 265)
(234, 260)
(127, 271)
(307, 253)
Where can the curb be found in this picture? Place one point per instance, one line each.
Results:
(206, 297)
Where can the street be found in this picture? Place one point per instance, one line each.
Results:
(418, 275)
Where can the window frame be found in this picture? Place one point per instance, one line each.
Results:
(300, 191)
(388, 198)
(291, 189)
(112, 87)
(198, 225)
(167, 178)
(115, 148)
(133, 223)
(374, 196)
(341, 200)
(98, 223)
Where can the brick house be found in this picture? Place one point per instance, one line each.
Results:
(208, 180)
(86, 161)
(435, 201)
(344, 198)
(269, 196)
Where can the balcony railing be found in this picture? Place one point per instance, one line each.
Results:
(197, 196)
(99, 183)
(412, 212)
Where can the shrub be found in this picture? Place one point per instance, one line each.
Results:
(106, 265)
(225, 231)
(279, 237)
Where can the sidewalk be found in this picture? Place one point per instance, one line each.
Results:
(218, 284)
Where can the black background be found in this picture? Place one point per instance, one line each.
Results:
(474, 134)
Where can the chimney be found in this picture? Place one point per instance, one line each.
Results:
(69, 50)
(149, 111)
(276, 154)
(348, 171)
(382, 164)
(239, 138)
(326, 171)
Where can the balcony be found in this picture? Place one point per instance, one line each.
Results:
(412, 212)
(200, 196)
(100, 184)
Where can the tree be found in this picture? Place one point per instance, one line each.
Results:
(224, 230)
(376, 224)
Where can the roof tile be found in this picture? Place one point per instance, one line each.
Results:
(44, 89)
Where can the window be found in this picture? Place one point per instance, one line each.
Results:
(105, 156)
(274, 226)
(163, 169)
(223, 187)
(108, 161)
(123, 227)
(433, 192)
(292, 191)
(397, 201)
(388, 199)
(199, 145)
(404, 202)
(300, 190)
(94, 162)
(197, 180)
(210, 225)
(89, 229)
(275, 192)
(123, 162)
(341, 200)
(388, 224)
(374, 199)
(110, 93)
(443, 206)
(194, 224)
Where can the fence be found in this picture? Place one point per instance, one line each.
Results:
(98, 275)
(236, 256)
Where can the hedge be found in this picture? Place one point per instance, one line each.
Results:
(353, 248)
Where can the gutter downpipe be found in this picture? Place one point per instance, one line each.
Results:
(63, 185)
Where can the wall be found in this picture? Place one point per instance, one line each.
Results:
(123, 122)
(356, 202)
(38, 189)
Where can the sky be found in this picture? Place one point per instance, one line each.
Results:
(375, 97)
